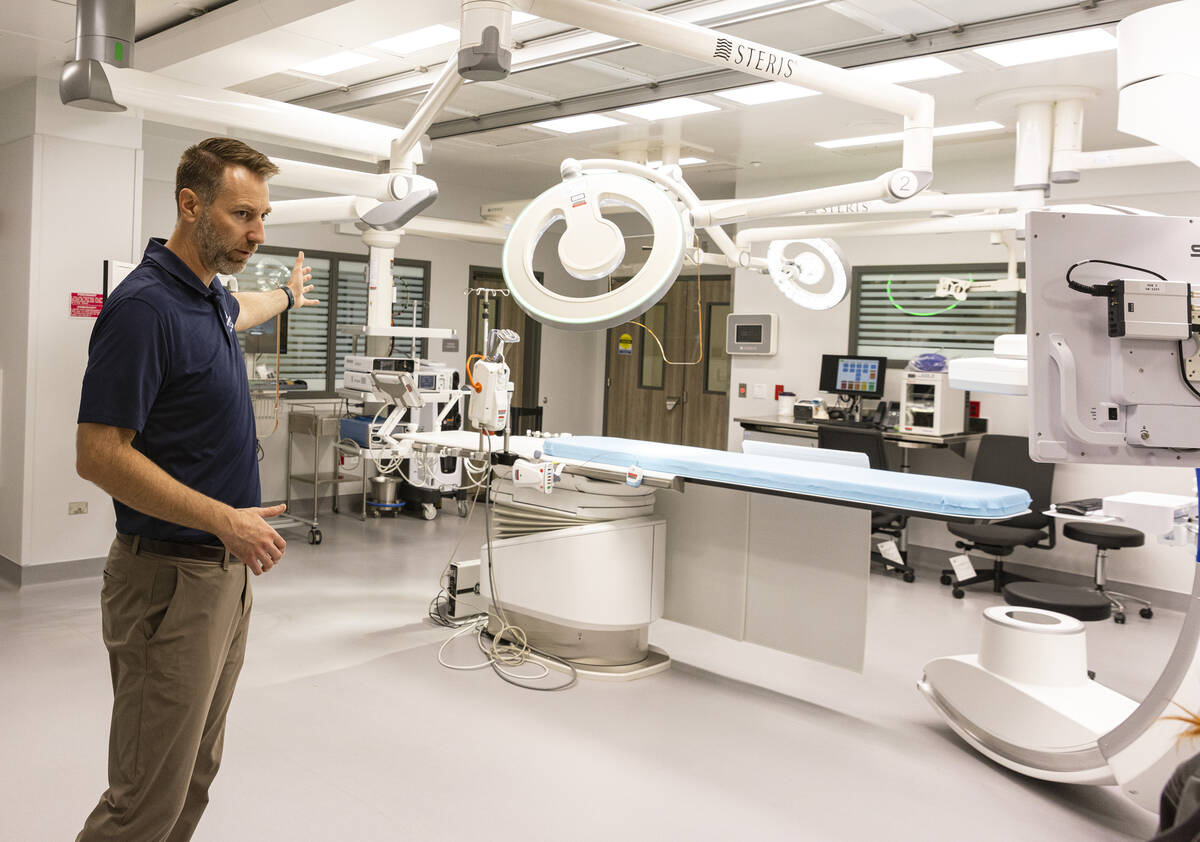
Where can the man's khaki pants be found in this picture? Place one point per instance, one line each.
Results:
(175, 630)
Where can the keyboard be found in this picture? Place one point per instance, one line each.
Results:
(866, 425)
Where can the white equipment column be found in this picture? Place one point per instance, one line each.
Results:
(380, 289)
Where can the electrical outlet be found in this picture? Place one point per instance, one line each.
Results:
(78, 508)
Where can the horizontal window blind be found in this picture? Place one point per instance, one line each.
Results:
(897, 316)
(306, 354)
(411, 291)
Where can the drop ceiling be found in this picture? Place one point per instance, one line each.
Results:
(252, 46)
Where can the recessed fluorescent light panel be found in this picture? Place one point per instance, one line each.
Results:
(764, 93)
(579, 123)
(418, 39)
(683, 162)
(519, 18)
(665, 109)
(894, 137)
(907, 70)
(1047, 47)
(335, 63)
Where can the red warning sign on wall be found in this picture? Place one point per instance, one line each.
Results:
(86, 305)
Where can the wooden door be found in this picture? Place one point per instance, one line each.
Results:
(523, 358)
(648, 399)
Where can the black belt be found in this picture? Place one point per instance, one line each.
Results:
(193, 552)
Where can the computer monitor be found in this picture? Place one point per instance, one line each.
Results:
(860, 377)
(261, 338)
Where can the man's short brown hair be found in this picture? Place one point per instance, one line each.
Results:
(202, 166)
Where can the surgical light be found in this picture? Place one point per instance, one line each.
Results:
(1047, 47)
(764, 93)
(335, 63)
(418, 39)
(816, 262)
(907, 70)
(896, 137)
(579, 123)
(665, 109)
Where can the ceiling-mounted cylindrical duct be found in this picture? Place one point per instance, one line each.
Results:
(104, 31)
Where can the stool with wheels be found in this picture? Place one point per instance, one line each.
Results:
(1107, 536)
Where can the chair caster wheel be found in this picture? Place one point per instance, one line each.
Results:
(1146, 613)
(957, 593)
(428, 511)
(909, 576)
(946, 579)
(463, 508)
(314, 536)
(1119, 618)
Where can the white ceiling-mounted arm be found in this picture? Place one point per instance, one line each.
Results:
(885, 227)
(324, 209)
(1158, 75)
(1070, 159)
(191, 104)
(431, 105)
(887, 185)
(335, 180)
(610, 17)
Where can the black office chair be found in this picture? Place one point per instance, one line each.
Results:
(1004, 460)
(870, 442)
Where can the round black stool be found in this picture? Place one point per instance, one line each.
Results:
(1079, 603)
(1107, 537)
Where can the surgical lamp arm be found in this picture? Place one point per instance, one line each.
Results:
(435, 99)
(676, 37)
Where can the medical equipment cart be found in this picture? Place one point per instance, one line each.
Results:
(310, 420)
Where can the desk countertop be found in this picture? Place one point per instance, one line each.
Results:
(809, 429)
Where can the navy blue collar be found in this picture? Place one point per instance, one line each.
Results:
(157, 251)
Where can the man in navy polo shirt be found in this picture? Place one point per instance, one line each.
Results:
(166, 427)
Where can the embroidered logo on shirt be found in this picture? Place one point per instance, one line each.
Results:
(228, 322)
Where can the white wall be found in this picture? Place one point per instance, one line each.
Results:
(82, 171)
(16, 174)
(805, 335)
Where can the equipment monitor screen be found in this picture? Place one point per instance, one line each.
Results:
(857, 376)
(748, 333)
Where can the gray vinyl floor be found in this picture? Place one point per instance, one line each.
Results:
(345, 727)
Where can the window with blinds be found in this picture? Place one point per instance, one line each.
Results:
(315, 350)
(411, 280)
(306, 355)
(894, 313)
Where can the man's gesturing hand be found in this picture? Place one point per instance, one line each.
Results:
(250, 538)
(299, 283)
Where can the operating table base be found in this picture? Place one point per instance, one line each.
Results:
(618, 655)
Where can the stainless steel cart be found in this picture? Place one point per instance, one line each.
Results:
(319, 425)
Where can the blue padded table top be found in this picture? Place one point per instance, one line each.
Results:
(936, 496)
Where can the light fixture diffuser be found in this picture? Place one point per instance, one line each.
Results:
(579, 123)
(335, 63)
(907, 70)
(665, 109)
(895, 137)
(418, 39)
(1047, 47)
(765, 92)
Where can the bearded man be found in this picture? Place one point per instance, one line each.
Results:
(166, 427)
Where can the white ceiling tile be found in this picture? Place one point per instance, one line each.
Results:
(574, 79)
(804, 30)
(653, 63)
(482, 98)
